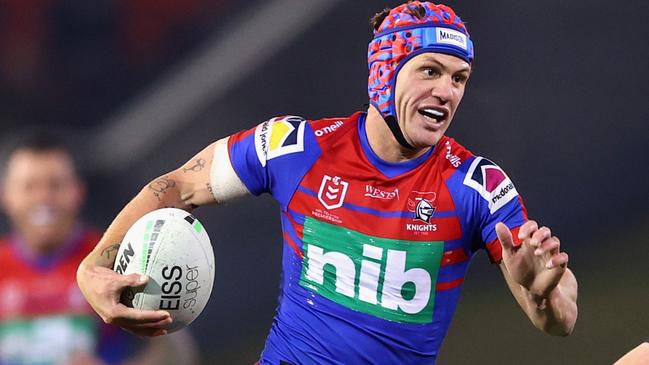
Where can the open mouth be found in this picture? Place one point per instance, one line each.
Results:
(43, 215)
(435, 114)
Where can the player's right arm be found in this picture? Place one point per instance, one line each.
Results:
(207, 178)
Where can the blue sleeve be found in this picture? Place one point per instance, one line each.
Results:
(114, 345)
(274, 157)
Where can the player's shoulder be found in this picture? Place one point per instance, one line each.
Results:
(454, 155)
(486, 178)
(289, 134)
(333, 128)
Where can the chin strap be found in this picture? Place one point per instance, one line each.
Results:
(396, 131)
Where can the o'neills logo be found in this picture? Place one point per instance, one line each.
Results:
(450, 36)
(328, 129)
(372, 192)
(453, 159)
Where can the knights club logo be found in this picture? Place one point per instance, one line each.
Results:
(332, 192)
(421, 203)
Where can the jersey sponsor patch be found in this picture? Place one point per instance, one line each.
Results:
(278, 137)
(386, 278)
(450, 36)
(491, 182)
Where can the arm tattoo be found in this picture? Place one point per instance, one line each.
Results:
(107, 256)
(209, 188)
(161, 186)
(198, 166)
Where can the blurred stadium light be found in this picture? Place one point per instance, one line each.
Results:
(227, 58)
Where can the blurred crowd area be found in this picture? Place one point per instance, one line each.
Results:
(70, 62)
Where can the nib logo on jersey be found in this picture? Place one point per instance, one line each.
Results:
(422, 205)
(385, 278)
(491, 182)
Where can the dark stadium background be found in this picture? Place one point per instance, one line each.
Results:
(558, 97)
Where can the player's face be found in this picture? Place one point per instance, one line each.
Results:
(429, 89)
(42, 196)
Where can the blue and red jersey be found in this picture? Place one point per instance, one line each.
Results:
(374, 252)
(44, 318)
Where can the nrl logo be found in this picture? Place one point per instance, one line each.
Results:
(332, 192)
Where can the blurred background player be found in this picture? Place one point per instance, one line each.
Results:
(44, 319)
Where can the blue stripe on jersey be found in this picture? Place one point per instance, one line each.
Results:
(297, 217)
(452, 245)
(450, 273)
(389, 169)
(287, 227)
(379, 213)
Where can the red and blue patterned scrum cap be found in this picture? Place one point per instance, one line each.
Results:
(406, 32)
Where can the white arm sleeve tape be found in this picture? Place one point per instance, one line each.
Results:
(226, 185)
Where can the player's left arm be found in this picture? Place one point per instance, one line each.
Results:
(537, 273)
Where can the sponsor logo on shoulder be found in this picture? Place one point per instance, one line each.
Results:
(332, 192)
(373, 192)
(491, 182)
(278, 137)
(453, 37)
(422, 205)
(328, 129)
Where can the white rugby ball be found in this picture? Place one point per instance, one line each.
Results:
(171, 247)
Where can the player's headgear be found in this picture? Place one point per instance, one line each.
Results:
(404, 33)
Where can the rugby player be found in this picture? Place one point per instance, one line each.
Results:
(381, 212)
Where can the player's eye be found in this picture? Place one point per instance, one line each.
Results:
(430, 71)
(460, 79)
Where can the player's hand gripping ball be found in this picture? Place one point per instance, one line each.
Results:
(171, 247)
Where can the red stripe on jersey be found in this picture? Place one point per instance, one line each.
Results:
(455, 256)
(290, 242)
(246, 133)
(405, 228)
(449, 285)
(495, 249)
(298, 228)
(520, 200)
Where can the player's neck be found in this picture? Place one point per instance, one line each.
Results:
(383, 142)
